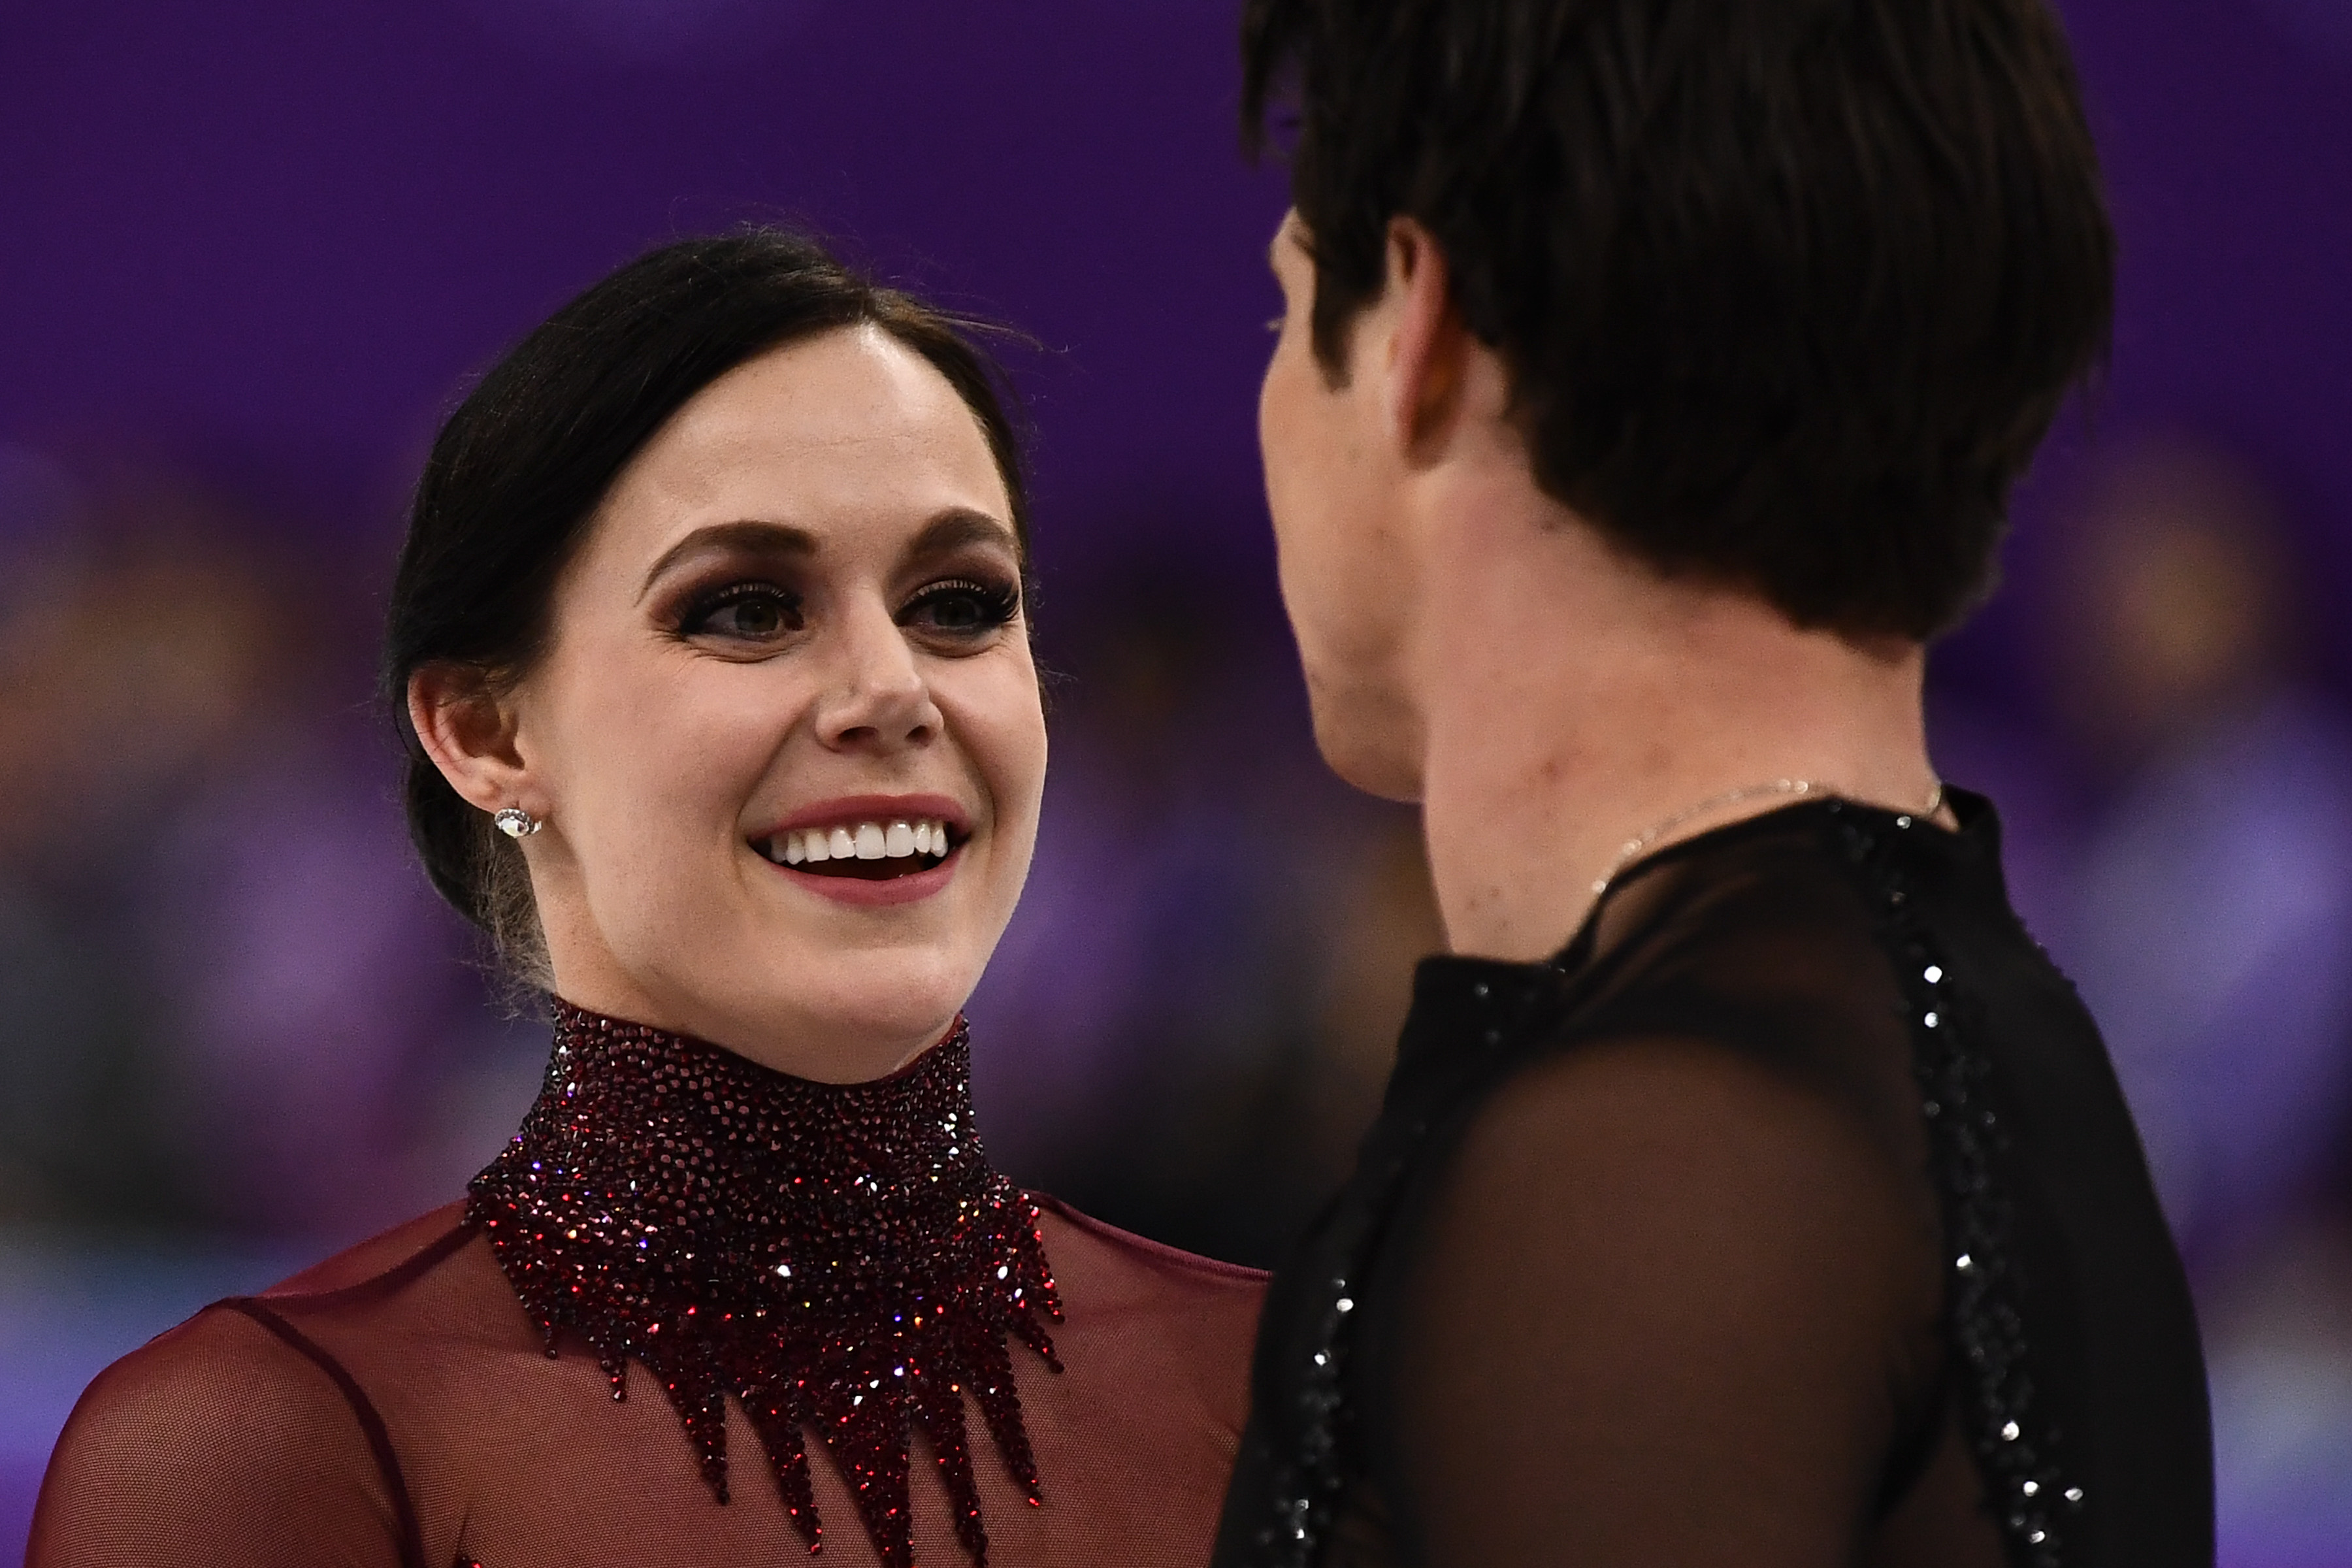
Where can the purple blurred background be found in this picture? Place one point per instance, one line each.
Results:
(247, 254)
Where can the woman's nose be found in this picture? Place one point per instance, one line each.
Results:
(877, 695)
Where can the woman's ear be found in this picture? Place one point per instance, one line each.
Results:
(469, 734)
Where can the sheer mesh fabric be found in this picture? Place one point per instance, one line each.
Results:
(1648, 1260)
(395, 1406)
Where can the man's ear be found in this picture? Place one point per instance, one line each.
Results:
(469, 734)
(1428, 347)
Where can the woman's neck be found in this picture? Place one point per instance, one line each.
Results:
(1573, 702)
(840, 1258)
(823, 1044)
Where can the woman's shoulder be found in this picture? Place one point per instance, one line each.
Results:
(246, 1424)
(183, 1452)
(404, 1315)
(1146, 1326)
(259, 1343)
(262, 1335)
(1117, 1283)
(430, 1236)
(244, 1372)
(1120, 1270)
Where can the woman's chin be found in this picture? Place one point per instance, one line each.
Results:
(842, 1032)
(799, 997)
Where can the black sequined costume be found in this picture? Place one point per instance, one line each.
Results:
(1791, 1217)
(838, 1263)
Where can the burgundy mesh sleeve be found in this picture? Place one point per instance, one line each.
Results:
(222, 1443)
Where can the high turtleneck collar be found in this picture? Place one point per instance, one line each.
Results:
(837, 1256)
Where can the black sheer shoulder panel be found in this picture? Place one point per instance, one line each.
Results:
(1762, 1332)
(1734, 1234)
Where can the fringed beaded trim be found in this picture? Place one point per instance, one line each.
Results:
(2015, 1442)
(840, 1258)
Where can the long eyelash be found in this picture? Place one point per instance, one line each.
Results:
(1002, 599)
(703, 607)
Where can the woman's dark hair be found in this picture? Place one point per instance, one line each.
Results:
(1790, 289)
(519, 470)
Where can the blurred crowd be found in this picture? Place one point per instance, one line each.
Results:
(2176, 783)
(231, 1007)
(229, 1003)
(2178, 794)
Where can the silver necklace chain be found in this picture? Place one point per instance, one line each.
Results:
(1799, 787)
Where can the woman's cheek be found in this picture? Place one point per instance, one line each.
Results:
(722, 739)
(1009, 733)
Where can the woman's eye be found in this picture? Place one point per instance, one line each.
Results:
(748, 613)
(962, 609)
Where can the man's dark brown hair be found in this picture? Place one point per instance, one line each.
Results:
(1790, 289)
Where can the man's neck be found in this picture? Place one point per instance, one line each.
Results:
(1573, 702)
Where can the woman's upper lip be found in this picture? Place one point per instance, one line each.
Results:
(849, 810)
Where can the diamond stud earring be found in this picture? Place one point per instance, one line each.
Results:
(515, 822)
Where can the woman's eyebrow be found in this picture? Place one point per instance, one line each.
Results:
(955, 528)
(749, 535)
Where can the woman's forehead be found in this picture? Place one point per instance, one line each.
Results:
(855, 390)
(850, 436)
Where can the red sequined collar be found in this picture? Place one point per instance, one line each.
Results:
(840, 1258)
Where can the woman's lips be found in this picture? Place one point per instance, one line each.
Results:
(852, 811)
(865, 890)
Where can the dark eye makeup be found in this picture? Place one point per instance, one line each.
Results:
(751, 611)
(962, 608)
(744, 610)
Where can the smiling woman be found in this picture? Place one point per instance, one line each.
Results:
(709, 642)
(796, 606)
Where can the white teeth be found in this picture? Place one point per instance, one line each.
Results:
(864, 841)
